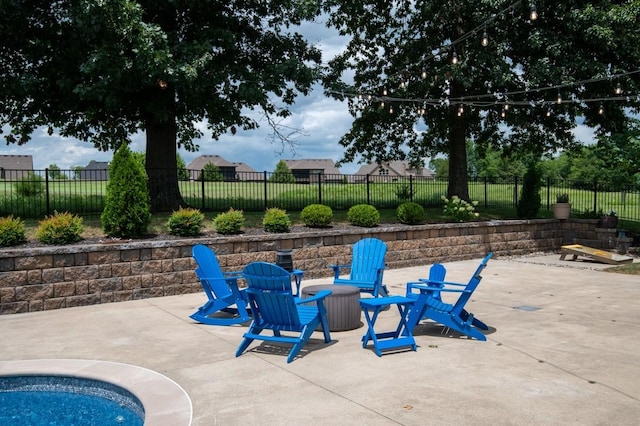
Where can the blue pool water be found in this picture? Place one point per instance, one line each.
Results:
(66, 401)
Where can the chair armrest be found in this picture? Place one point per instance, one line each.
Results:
(232, 274)
(425, 285)
(440, 282)
(336, 270)
(322, 294)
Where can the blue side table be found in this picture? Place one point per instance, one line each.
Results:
(399, 338)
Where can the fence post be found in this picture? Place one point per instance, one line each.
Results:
(264, 179)
(548, 192)
(411, 188)
(595, 195)
(486, 190)
(515, 193)
(368, 193)
(320, 177)
(202, 188)
(46, 190)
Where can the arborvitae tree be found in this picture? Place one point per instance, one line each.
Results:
(530, 201)
(127, 210)
(211, 173)
(282, 174)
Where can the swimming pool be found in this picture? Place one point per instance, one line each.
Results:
(162, 401)
(66, 401)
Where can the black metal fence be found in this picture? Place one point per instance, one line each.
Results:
(36, 193)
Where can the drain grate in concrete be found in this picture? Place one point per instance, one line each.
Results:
(526, 308)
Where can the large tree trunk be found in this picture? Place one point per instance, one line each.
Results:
(458, 177)
(161, 163)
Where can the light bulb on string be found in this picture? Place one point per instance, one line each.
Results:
(460, 110)
(559, 98)
(485, 38)
(506, 107)
(601, 109)
(503, 113)
(533, 14)
(390, 109)
(424, 73)
(618, 90)
(549, 112)
(454, 57)
(385, 92)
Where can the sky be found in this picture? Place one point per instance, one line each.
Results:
(322, 122)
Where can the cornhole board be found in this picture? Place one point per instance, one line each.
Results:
(594, 254)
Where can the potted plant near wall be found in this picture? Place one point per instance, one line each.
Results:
(562, 207)
(609, 220)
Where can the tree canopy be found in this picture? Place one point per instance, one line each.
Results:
(102, 71)
(422, 77)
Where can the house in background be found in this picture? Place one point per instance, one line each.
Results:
(392, 171)
(227, 168)
(15, 166)
(308, 171)
(246, 173)
(95, 170)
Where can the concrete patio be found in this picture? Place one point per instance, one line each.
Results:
(562, 349)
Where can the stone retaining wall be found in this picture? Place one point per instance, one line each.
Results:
(76, 275)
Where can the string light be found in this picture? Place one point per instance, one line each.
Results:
(618, 90)
(460, 110)
(475, 100)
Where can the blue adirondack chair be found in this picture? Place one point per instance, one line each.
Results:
(429, 304)
(226, 304)
(274, 307)
(367, 267)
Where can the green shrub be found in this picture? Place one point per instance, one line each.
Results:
(229, 223)
(127, 211)
(185, 222)
(30, 185)
(276, 220)
(11, 231)
(404, 191)
(410, 213)
(459, 209)
(60, 228)
(363, 215)
(316, 215)
(530, 200)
